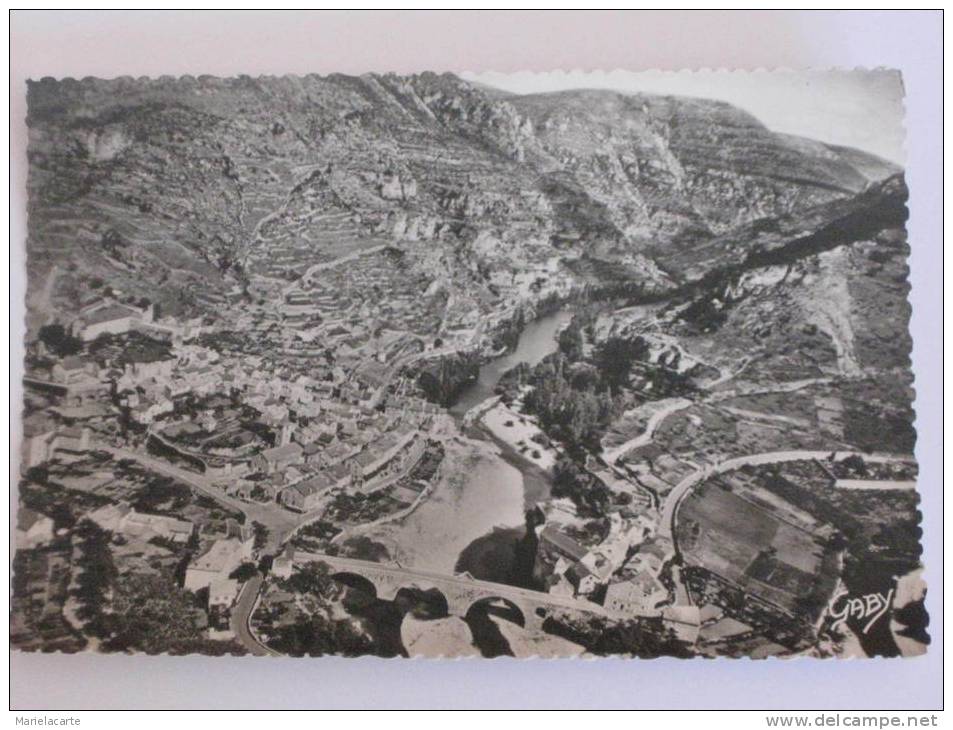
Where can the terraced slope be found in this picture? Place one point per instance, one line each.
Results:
(186, 191)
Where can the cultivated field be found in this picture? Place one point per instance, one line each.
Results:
(748, 545)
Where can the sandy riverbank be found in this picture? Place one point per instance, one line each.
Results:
(477, 491)
(518, 432)
(442, 637)
(525, 643)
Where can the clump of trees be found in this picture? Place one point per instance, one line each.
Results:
(591, 497)
(261, 535)
(112, 241)
(313, 578)
(572, 407)
(162, 495)
(573, 398)
(245, 571)
(363, 548)
(705, 314)
(317, 635)
(58, 340)
(615, 357)
(97, 576)
(152, 614)
(645, 638)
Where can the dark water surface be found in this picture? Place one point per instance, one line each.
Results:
(537, 340)
(501, 556)
(497, 556)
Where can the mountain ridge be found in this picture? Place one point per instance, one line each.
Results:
(230, 177)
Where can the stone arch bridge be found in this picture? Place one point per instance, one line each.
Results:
(461, 591)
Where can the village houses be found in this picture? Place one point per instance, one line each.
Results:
(221, 558)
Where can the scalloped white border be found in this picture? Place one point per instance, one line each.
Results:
(799, 39)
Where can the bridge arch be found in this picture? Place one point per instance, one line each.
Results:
(428, 599)
(356, 581)
(501, 606)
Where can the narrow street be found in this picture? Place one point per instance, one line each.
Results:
(280, 522)
(241, 614)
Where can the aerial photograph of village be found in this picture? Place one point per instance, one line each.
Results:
(432, 365)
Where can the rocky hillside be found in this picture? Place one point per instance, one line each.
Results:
(183, 190)
(670, 172)
(823, 299)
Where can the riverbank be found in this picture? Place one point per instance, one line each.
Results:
(536, 341)
(521, 434)
(477, 491)
(436, 638)
(525, 644)
(537, 483)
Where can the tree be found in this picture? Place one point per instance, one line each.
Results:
(615, 357)
(59, 341)
(244, 572)
(112, 240)
(312, 578)
(264, 565)
(590, 495)
(96, 577)
(571, 340)
(317, 635)
(261, 534)
(856, 464)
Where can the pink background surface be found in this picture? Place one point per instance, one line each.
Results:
(116, 43)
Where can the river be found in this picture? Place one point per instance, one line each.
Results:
(474, 523)
(537, 340)
(495, 556)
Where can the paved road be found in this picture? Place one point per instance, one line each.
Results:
(280, 522)
(241, 615)
(666, 526)
(655, 420)
(681, 490)
(679, 404)
(332, 264)
(278, 525)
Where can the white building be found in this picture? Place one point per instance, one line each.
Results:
(108, 318)
(222, 593)
(121, 518)
(33, 529)
(215, 563)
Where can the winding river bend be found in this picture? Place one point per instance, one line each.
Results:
(478, 524)
(496, 556)
(537, 340)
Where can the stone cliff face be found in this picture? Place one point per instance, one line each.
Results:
(210, 182)
(667, 171)
(828, 302)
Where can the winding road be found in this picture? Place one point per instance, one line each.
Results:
(611, 455)
(674, 499)
(667, 520)
(241, 615)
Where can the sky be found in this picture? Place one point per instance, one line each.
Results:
(862, 109)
